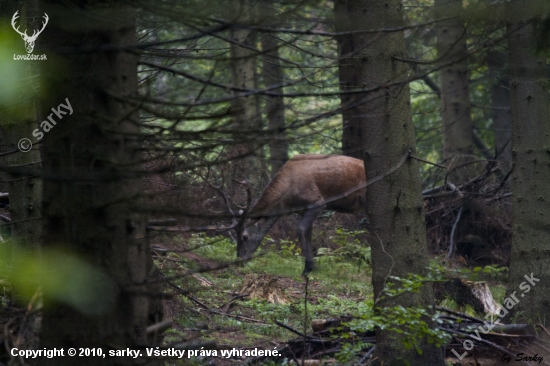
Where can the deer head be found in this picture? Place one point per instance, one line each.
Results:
(248, 238)
(251, 232)
(244, 242)
(29, 40)
(251, 228)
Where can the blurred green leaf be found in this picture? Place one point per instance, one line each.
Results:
(62, 277)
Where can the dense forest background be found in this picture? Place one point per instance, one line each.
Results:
(140, 145)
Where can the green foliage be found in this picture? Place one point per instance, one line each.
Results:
(289, 248)
(340, 290)
(14, 76)
(350, 350)
(499, 292)
(341, 305)
(437, 273)
(336, 293)
(267, 310)
(412, 323)
(60, 276)
(219, 247)
(350, 248)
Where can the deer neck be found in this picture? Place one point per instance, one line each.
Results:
(261, 228)
(265, 212)
(266, 224)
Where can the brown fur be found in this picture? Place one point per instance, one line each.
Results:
(307, 184)
(312, 179)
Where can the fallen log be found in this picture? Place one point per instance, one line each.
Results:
(321, 324)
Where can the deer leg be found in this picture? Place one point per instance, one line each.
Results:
(304, 236)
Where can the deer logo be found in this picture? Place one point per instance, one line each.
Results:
(29, 41)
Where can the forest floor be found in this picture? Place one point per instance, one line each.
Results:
(210, 307)
(213, 310)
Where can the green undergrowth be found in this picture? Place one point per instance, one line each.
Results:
(339, 286)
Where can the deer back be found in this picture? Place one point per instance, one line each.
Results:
(312, 179)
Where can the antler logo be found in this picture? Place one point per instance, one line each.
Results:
(29, 41)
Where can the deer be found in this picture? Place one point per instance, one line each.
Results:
(307, 184)
(29, 40)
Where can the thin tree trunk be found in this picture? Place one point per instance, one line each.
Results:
(247, 122)
(275, 106)
(478, 142)
(455, 96)
(91, 158)
(500, 109)
(349, 66)
(530, 108)
(395, 207)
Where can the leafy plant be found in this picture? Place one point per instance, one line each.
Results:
(350, 248)
(412, 323)
(350, 350)
(219, 247)
(289, 248)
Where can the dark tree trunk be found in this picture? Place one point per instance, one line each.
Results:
(500, 109)
(530, 108)
(275, 106)
(91, 158)
(247, 121)
(349, 66)
(455, 96)
(25, 191)
(395, 206)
